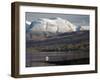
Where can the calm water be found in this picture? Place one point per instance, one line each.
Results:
(56, 58)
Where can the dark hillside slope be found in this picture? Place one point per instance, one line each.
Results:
(61, 39)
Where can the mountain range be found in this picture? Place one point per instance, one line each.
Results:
(45, 27)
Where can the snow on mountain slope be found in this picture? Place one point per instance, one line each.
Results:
(51, 26)
(27, 25)
(28, 22)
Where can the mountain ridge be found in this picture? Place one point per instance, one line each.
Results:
(45, 27)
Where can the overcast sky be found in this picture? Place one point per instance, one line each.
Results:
(78, 20)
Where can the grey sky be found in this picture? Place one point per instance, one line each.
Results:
(78, 20)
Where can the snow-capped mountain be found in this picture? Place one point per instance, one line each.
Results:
(52, 26)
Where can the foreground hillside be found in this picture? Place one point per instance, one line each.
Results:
(78, 39)
(63, 49)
